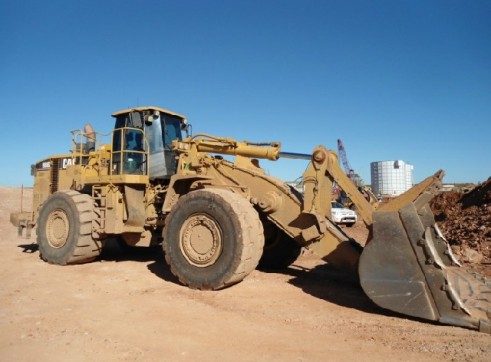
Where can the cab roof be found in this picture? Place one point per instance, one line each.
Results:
(147, 108)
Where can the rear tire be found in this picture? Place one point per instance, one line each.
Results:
(64, 229)
(213, 238)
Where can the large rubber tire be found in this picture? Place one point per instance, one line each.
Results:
(280, 250)
(64, 229)
(213, 238)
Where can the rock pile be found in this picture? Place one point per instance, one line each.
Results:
(465, 221)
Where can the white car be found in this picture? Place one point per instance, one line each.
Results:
(342, 215)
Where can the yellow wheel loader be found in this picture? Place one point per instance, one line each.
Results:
(217, 219)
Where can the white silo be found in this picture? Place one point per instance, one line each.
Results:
(391, 177)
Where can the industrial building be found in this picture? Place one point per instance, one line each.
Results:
(391, 178)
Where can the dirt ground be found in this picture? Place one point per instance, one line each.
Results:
(128, 307)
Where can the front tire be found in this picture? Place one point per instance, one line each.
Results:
(213, 238)
(64, 229)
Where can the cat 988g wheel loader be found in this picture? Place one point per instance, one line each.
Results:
(218, 219)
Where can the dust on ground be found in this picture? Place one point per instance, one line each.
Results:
(128, 307)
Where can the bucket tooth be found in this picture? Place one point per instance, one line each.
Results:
(449, 252)
(430, 250)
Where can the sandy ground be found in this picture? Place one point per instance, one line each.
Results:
(128, 307)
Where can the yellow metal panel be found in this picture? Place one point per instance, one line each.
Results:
(147, 108)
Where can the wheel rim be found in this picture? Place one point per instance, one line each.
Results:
(201, 240)
(57, 228)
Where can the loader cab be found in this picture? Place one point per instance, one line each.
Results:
(146, 132)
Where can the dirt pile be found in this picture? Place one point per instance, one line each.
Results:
(465, 220)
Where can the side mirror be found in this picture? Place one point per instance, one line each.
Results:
(185, 126)
(148, 119)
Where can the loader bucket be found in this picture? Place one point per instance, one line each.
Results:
(408, 267)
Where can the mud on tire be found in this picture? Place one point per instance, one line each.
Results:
(64, 229)
(213, 238)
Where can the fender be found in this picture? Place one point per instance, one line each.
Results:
(179, 186)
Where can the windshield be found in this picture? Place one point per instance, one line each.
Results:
(172, 130)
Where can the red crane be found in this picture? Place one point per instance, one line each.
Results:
(354, 177)
(344, 160)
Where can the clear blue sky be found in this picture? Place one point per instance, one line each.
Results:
(393, 79)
